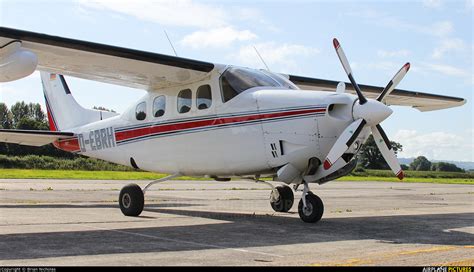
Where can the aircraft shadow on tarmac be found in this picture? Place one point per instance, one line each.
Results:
(238, 231)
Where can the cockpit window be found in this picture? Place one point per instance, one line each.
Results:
(281, 80)
(236, 80)
(140, 111)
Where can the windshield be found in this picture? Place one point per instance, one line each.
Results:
(236, 80)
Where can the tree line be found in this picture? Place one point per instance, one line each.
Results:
(31, 116)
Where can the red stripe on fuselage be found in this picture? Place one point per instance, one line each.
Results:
(69, 145)
(125, 135)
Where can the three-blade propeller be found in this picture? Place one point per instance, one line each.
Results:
(367, 112)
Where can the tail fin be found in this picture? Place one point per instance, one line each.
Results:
(63, 110)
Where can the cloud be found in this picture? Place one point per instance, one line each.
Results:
(395, 53)
(469, 4)
(216, 38)
(448, 45)
(438, 29)
(446, 70)
(436, 145)
(433, 4)
(184, 13)
(281, 56)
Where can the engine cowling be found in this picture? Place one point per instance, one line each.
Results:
(16, 62)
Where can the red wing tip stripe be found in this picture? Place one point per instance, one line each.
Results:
(327, 164)
(336, 43)
(400, 175)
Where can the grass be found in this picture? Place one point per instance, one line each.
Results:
(409, 180)
(133, 175)
(83, 175)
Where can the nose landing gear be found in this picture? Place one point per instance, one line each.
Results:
(310, 207)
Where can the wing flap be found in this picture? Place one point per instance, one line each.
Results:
(418, 100)
(32, 137)
(106, 63)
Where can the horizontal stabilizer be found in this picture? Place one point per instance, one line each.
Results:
(32, 137)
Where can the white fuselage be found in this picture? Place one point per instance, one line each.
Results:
(256, 132)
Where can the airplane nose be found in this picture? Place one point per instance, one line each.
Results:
(373, 112)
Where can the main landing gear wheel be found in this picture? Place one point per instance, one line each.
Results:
(282, 199)
(131, 200)
(314, 209)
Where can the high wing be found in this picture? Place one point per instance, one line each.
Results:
(32, 137)
(105, 63)
(418, 100)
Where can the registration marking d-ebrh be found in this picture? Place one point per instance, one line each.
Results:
(97, 139)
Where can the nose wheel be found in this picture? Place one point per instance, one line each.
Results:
(310, 207)
(314, 209)
(282, 198)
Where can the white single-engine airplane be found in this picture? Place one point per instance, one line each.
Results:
(205, 119)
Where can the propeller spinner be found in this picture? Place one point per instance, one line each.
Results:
(368, 112)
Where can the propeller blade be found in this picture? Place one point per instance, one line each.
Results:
(386, 149)
(345, 140)
(347, 68)
(394, 82)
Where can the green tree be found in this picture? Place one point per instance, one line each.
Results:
(370, 156)
(102, 109)
(36, 113)
(19, 110)
(421, 163)
(445, 167)
(31, 124)
(5, 116)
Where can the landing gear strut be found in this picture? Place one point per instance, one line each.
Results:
(310, 207)
(132, 197)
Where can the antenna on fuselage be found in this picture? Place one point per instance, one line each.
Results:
(176, 54)
(264, 63)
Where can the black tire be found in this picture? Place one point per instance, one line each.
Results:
(315, 208)
(284, 202)
(131, 200)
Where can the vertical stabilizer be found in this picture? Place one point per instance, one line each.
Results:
(63, 110)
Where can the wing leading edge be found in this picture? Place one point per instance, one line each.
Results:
(418, 100)
(106, 63)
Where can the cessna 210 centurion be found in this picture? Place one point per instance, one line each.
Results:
(205, 119)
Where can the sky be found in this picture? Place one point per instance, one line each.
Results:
(293, 37)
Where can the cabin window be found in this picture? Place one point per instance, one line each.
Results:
(140, 111)
(159, 106)
(184, 101)
(204, 97)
